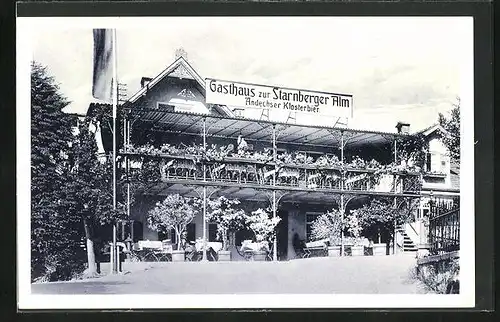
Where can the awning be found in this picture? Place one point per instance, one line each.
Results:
(255, 130)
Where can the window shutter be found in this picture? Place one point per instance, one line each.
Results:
(191, 232)
(212, 232)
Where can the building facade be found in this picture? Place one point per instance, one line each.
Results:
(298, 171)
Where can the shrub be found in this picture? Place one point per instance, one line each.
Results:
(222, 212)
(262, 224)
(441, 278)
(328, 225)
(174, 212)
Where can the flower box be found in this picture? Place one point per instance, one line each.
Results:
(334, 251)
(357, 250)
(380, 249)
(259, 256)
(224, 256)
(178, 256)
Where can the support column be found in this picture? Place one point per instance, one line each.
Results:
(342, 182)
(275, 151)
(128, 171)
(114, 257)
(205, 258)
(394, 246)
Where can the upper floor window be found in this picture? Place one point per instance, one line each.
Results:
(435, 162)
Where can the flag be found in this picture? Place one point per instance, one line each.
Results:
(102, 82)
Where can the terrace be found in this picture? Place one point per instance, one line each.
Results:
(195, 149)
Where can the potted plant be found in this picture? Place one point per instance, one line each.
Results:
(329, 225)
(221, 211)
(263, 227)
(174, 212)
(354, 229)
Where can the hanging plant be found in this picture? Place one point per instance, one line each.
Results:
(373, 165)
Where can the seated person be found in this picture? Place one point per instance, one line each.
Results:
(185, 244)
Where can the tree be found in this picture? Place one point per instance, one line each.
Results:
(353, 226)
(262, 225)
(451, 124)
(90, 188)
(174, 212)
(328, 225)
(411, 149)
(380, 217)
(228, 219)
(55, 251)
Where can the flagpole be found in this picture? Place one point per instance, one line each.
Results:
(115, 103)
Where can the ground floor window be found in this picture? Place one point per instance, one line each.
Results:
(212, 232)
(191, 234)
(310, 218)
(243, 234)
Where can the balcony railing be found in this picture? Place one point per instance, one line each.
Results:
(260, 169)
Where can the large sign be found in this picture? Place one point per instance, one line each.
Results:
(277, 98)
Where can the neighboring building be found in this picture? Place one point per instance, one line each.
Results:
(170, 109)
(441, 180)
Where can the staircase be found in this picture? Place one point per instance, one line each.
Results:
(408, 244)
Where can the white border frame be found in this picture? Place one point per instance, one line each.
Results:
(26, 300)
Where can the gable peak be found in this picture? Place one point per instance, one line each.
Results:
(180, 52)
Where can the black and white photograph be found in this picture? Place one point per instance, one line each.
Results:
(226, 162)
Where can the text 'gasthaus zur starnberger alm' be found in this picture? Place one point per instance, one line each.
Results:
(271, 97)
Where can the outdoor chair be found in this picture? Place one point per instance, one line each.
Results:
(191, 254)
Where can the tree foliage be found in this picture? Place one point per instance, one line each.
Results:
(262, 224)
(90, 189)
(411, 149)
(328, 225)
(174, 212)
(353, 226)
(381, 215)
(228, 218)
(55, 249)
(451, 124)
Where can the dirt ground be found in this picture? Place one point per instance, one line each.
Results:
(346, 275)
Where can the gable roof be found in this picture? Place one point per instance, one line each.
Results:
(179, 68)
(431, 129)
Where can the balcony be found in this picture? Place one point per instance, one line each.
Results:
(295, 172)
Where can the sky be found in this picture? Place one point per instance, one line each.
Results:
(397, 69)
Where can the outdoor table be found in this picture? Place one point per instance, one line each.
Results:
(317, 246)
(216, 246)
(153, 251)
(199, 247)
(249, 248)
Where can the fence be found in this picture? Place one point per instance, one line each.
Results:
(444, 227)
